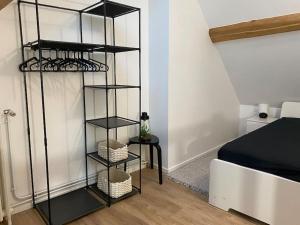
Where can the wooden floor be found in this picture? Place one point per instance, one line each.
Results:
(168, 204)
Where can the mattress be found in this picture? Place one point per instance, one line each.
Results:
(274, 149)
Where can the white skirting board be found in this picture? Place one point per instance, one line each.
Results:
(266, 197)
(173, 168)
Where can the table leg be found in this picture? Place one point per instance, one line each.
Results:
(159, 162)
(151, 156)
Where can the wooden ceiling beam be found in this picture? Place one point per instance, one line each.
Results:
(4, 3)
(256, 28)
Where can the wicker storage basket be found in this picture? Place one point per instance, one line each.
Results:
(117, 151)
(120, 183)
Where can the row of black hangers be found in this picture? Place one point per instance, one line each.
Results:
(63, 62)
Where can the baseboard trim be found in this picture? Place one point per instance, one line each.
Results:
(173, 168)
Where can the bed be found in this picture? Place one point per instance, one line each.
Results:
(259, 174)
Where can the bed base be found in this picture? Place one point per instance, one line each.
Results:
(263, 196)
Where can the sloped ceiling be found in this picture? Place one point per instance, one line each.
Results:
(262, 69)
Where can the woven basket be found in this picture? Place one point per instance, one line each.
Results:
(120, 183)
(117, 151)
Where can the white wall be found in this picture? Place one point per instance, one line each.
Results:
(63, 92)
(219, 13)
(203, 107)
(262, 69)
(193, 101)
(159, 70)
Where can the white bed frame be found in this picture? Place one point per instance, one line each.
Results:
(263, 196)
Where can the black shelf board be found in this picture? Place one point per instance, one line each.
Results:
(106, 198)
(69, 207)
(115, 49)
(111, 86)
(99, 159)
(113, 9)
(113, 122)
(75, 46)
(62, 45)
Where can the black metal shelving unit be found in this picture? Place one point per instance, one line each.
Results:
(66, 208)
(110, 11)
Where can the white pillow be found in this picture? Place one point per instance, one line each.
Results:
(290, 109)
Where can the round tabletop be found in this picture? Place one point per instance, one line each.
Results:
(136, 140)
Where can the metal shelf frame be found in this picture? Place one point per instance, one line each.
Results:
(109, 11)
(114, 122)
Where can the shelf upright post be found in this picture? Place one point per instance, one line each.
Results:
(26, 106)
(107, 106)
(115, 75)
(140, 97)
(84, 107)
(43, 108)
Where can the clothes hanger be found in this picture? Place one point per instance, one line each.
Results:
(84, 65)
(70, 64)
(93, 66)
(53, 63)
(68, 61)
(102, 66)
(24, 65)
(39, 63)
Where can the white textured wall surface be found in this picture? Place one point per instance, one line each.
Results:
(219, 13)
(203, 106)
(63, 92)
(159, 69)
(262, 69)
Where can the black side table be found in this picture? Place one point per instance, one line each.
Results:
(153, 142)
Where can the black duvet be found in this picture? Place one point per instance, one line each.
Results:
(274, 149)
